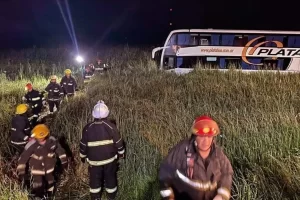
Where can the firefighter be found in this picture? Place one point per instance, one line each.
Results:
(20, 130)
(101, 136)
(89, 71)
(42, 152)
(55, 94)
(196, 168)
(35, 99)
(100, 66)
(68, 83)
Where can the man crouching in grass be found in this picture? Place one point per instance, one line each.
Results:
(196, 168)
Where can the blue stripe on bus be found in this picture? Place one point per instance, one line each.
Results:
(227, 40)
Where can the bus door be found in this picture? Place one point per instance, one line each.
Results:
(170, 53)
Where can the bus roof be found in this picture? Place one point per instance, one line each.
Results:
(237, 31)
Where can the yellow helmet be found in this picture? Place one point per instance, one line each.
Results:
(40, 131)
(21, 109)
(53, 77)
(68, 71)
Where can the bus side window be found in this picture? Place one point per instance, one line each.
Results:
(183, 39)
(293, 41)
(273, 38)
(205, 39)
(194, 39)
(215, 39)
(261, 40)
(227, 39)
(240, 40)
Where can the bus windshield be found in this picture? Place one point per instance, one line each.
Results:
(186, 40)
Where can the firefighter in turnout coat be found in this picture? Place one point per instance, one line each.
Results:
(20, 128)
(196, 168)
(35, 99)
(55, 94)
(68, 84)
(42, 152)
(101, 145)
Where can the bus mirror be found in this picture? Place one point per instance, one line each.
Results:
(156, 50)
(156, 55)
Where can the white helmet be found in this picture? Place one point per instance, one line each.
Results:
(100, 110)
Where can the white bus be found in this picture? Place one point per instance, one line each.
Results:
(248, 50)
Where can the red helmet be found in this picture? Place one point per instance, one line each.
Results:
(205, 126)
(28, 86)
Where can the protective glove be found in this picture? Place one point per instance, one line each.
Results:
(82, 160)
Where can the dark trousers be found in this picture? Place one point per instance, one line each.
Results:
(106, 174)
(17, 150)
(36, 113)
(52, 104)
(40, 183)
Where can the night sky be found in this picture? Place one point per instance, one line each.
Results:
(25, 23)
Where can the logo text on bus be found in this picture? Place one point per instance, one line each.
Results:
(279, 51)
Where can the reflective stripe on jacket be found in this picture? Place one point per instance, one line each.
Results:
(42, 158)
(20, 130)
(210, 177)
(34, 98)
(101, 136)
(68, 85)
(55, 91)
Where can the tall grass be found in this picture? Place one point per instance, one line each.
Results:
(257, 113)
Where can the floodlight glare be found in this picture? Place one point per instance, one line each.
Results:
(79, 59)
